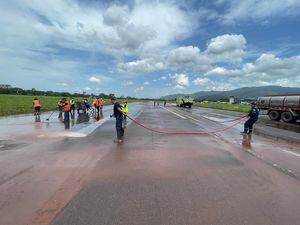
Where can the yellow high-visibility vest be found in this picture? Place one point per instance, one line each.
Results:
(125, 108)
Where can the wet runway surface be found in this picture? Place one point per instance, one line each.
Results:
(150, 178)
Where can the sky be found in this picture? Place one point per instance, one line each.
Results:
(149, 48)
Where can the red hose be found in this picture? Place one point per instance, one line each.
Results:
(186, 132)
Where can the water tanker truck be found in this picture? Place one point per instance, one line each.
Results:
(285, 107)
(182, 101)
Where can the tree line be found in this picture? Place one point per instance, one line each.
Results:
(8, 89)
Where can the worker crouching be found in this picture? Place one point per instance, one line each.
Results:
(253, 117)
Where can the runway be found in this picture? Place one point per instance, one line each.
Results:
(150, 178)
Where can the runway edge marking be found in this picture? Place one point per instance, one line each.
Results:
(182, 117)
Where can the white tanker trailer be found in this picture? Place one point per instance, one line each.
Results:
(285, 107)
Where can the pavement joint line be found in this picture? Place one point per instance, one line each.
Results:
(192, 118)
(182, 117)
(202, 117)
(286, 171)
(90, 129)
(292, 153)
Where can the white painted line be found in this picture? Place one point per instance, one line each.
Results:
(61, 134)
(76, 134)
(89, 129)
(292, 153)
(182, 117)
(1, 146)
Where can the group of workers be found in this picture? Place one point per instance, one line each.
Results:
(120, 113)
(157, 103)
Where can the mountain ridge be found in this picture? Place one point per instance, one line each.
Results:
(242, 93)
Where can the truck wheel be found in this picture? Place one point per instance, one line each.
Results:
(274, 115)
(287, 117)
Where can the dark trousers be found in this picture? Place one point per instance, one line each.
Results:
(97, 109)
(248, 126)
(72, 111)
(124, 121)
(66, 115)
(67, 119)
(119, 127)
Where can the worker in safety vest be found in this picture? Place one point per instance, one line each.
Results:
(72, 105)
(66, 109)
(101, 104)
(60, 108)
(37, 107)
(118, 114)
(253, 117)
(96, 104)
(125, 111)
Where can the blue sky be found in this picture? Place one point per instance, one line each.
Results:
(149, 48)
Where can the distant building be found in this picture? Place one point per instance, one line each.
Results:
(231, 100)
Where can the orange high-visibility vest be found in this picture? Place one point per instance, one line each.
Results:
(101, 102)
(96, 102)
(67, 106)
(36, 103)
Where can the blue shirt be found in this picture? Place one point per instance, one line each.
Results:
(254, 113)
(117, 113)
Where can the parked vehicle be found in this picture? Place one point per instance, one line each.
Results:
(183, 101)
(285, 107)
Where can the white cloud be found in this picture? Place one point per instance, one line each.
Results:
(146, 83)
(181, 80)
(180, 87)
(266, 70)
(87, 89)
(206, 84)
(95, 80)
(184, 55)
(222, 71)
(116, 15)
(139, 89)
(145, 65)
(226, 48)
(62, 84)
(129, 83)
(163, 78)
(201, 81)
(259, 11)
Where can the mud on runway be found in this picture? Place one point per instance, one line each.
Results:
(151, 178)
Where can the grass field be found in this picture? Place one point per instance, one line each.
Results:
(18, 104)
(230, 107)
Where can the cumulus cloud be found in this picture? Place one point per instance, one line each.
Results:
(201, 81)
(206, 84)
(184, 56)
(95, 80)
(144, 65)
(259, 10)
(222, 71)
(139, 89)
(146, 83)
(116, 15)
(129, 83)
(163, 78)
(265, 70)
(62, 84)
(181, 80)
(226, 48)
